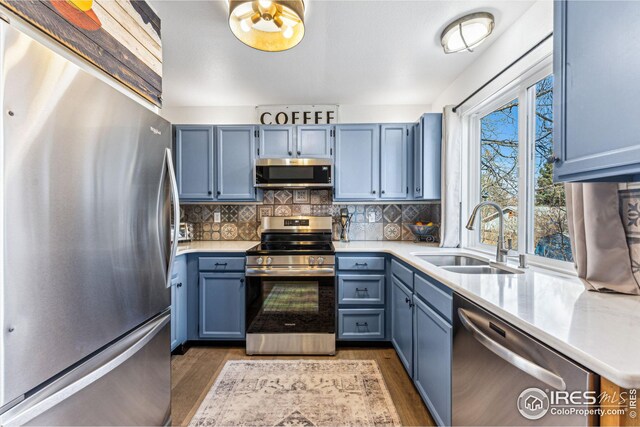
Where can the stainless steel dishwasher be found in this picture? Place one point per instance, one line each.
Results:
(503, 377)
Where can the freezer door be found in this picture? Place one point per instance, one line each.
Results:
(129, 383)
(85, 217)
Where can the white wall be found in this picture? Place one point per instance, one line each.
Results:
(526, 32)
(247, 114)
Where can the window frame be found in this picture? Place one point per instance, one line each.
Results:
(523, 89)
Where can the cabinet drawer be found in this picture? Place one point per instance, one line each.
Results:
(361, 263)
(361, 289)
(361, 323)
(403, 273)
(440, 300)
(221, 263)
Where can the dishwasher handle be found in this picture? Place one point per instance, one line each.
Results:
(536, 371)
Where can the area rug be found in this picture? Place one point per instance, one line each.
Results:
(298, 393)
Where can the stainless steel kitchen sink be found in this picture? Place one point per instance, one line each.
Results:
(480, 269)
(452, 260)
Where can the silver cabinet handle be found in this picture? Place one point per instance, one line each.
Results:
(536, 371)
(176, 213)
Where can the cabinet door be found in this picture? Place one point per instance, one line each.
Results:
(276, 142)
(428, 156)
(596, 133)
(314, 141)
(194, 162)
(222, 305)
(235, 147)
(402, 323)
(432, 369)
(357, 163)
(417, 161)
(181, 300)
(174, 315)
(394, 170)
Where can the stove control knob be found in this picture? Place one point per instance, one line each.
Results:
(312, 260)
(259, 260)
(269, 260)
(320, 261)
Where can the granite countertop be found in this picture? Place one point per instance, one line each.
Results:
(600, 331)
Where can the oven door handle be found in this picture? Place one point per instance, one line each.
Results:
(536, 371)
(289, 272)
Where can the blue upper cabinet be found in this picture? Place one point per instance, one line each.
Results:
(596, 134)
(276, 142)
(235, 147)
(314, 141)
(194, 162)
(394, 165)
(427, 157)
(357, 162)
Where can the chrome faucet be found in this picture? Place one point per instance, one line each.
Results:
(501, 250)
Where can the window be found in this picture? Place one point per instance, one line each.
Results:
(499, 172)
(512, 141)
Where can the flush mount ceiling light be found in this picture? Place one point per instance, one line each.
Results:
(272, 26)
(467, 32)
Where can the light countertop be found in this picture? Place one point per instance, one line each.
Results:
(600, 331)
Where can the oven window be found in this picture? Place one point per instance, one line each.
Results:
(290, 297)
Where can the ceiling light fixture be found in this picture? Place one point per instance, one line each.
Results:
(271, 26)
(467, 32)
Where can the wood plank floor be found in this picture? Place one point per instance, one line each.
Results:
(194, 373)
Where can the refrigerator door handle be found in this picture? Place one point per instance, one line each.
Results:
(109, 361)
(536, 371)
(176, 213)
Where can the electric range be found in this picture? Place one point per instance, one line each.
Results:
(290, 297)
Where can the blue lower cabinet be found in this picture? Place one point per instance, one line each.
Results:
(222, 306)
(361, 289)
(179, 302)
(402, 323)
(361, 324)
(432, 361)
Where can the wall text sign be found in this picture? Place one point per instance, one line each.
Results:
(297, 114)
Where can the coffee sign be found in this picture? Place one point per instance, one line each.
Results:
(297, 114)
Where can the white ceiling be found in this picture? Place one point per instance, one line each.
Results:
(358, 52)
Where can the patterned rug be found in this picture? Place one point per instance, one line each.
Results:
(298, 393)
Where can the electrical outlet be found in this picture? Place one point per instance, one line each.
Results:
(372, 216)
(216, 217)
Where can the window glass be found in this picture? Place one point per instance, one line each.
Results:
(551, 234)
(499, 172)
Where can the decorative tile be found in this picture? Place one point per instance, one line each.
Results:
(206, 235)
(301, 210)
(320, 197)
(359, 218)
(630, 212)
(376, 210)
(409, 213)
(268, 197)
(282, 197)
(247, 231)
(216, 226)
(229, 231)
(207, 213)
(264, 211)
(392, 213)
(392, 231)
(206, 226)
(247, 213)
(282, 210)
(215, 235)
(360, 209)
(356, 231)
(406, 233)
(320, 210)
(373, 231)
(300, 196)
(229, 213)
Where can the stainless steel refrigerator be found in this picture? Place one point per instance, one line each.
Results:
(87, 185)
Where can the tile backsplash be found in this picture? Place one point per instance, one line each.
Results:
(242, 222)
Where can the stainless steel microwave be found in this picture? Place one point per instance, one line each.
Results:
(293, 173)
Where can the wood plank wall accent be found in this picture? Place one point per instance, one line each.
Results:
(126, 45)
(631, 416)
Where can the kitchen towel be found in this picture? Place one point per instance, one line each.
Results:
(451, 178)
(599, 244)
